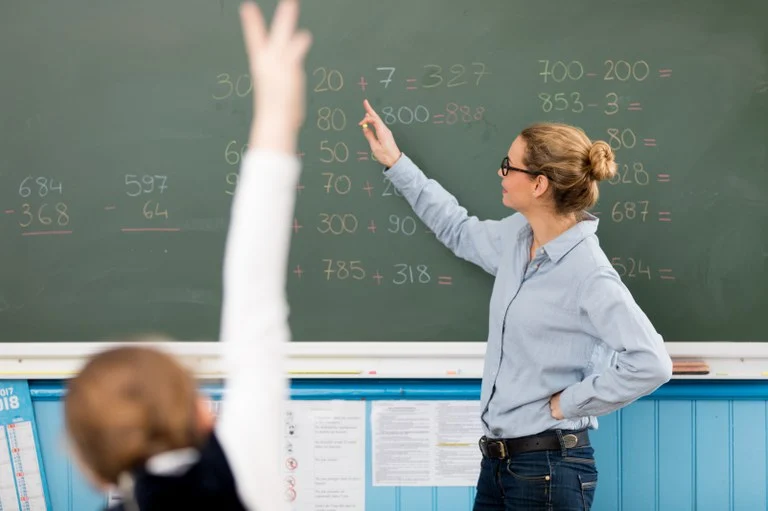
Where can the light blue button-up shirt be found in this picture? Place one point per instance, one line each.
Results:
(563, 321)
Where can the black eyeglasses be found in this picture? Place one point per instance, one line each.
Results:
(506, 167)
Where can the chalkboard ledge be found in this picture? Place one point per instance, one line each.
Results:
(461, 360)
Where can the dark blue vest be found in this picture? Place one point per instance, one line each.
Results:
(208, 485)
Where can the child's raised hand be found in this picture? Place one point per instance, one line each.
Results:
(276, 60)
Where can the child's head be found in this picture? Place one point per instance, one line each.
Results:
(129, 404)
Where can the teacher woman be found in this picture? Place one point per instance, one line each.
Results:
(566, 340)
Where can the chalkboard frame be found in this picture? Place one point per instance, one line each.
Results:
(364, 360)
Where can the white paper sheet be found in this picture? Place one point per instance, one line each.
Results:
(425, 443)
(325, 455)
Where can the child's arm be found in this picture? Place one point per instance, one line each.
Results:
(255, 315)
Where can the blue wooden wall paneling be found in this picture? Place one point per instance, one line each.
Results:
(749, 455)
(689, 446)
(68, 489)
(676, 455)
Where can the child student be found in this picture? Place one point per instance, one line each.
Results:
(133, 414)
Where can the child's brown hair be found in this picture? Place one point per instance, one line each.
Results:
(127, 405)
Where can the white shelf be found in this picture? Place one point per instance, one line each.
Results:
(360, 359)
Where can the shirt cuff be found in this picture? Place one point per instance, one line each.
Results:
(402, 172)
(567, 405)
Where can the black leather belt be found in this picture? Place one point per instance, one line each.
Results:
(546, 441)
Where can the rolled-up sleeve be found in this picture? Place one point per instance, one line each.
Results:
(641, 365)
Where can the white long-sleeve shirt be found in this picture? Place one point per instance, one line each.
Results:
(254, 326)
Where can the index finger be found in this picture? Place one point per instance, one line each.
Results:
(254, 31)
(375, 119)
(369, 110)
(285, 20)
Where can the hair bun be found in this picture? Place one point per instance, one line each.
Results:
(601, 161)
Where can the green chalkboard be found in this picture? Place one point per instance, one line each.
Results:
(120, 117)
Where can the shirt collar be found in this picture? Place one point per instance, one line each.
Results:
(172, 463)
(558, 247)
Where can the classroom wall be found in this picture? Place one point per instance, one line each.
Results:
(689, 446)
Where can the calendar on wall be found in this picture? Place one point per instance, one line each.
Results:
(22, 477)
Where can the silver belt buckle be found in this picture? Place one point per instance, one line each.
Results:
(570, 441)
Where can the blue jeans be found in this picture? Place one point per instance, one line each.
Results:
(562, 480)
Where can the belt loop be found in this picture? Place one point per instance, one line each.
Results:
(563, 450)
